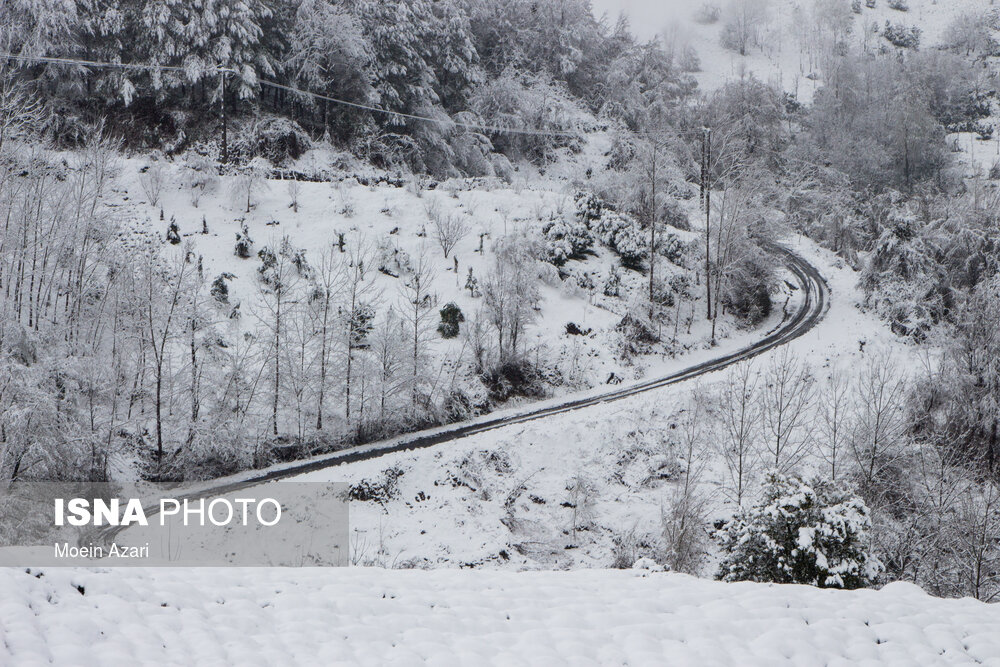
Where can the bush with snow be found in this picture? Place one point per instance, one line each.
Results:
(565, 240)
(244, 244)
(802, 532)
(615, 230)
(901, 36)
(621, 234)
(451, 320)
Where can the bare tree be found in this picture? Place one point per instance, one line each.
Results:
(786, 402)
(328, 289)
(251, 182)
(979, 540)
(510, 295)
(743, 22)
(835, 425)
(360, 292)
(152, 182)
(684, 517)
(741, 421)
(294, 192)
(417, 310)
(449, 229)
(389, 353)
(581, 493)
(20, 113)
(278, 281)
(165, 291)
(879, 423)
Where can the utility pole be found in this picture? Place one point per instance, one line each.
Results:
(706, 189)
(652, 228)
(225, 133)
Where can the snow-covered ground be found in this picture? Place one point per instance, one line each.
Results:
(361, 616)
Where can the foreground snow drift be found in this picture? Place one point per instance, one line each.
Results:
(382, 617)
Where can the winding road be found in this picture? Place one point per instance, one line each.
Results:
(811, 308)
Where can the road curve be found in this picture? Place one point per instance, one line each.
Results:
(812, 307)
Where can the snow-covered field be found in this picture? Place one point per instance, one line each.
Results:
(390, 617)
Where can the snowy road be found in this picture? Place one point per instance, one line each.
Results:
(812, 305)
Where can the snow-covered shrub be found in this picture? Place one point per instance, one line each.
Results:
(480, 471)
(747, 293)
(800, 533)
(689, 60)
(589, 207)
(360, 325)
(393, 260)
(472, 284)
(451, 319)
(244, 244)
(621, 234)
(898, 5)
(617, 231)
(672, 248)
(220, 287)
(901, 36)
(565, 240)
(380, 490)
(613, 283)
(637, 336)
(173, 232)
(672, 213)
(277, 139)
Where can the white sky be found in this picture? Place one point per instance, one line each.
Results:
(648, 17)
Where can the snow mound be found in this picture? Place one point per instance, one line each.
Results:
(391, 617)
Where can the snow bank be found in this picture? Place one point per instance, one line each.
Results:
(445, 617)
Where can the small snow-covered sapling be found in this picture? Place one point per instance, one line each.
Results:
(173, 232)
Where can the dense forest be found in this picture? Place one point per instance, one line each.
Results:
(474, 68)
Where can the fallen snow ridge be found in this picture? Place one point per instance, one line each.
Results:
(364, 616)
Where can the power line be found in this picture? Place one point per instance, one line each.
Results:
(89, 63)
(477, 127)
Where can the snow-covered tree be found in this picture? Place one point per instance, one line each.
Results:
(802, 532)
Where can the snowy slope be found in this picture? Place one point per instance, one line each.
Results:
(496, 499)
(784, 58)
(382, 617)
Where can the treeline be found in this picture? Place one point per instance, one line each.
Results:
(499, 64)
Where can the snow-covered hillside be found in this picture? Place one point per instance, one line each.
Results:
(332, 212)
(788, 44)
(380, 617)
(506, 498)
